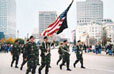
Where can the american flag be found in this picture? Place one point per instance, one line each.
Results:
(59, 25)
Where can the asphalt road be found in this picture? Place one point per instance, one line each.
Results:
(95, 64)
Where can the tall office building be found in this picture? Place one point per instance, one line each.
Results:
(89, 11)
(45, 19)
(8, 18)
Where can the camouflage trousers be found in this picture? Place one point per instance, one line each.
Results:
(45, 62)
(31, 66)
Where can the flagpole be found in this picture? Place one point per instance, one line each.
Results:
(75, 37)
(72, 1)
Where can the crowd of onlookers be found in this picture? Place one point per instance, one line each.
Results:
(5, 47)
(98, 48)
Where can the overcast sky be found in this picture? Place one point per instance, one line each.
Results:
(27, 13)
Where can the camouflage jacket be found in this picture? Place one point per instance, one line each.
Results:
(66, 50)
(31, 51)
(16, 50)
(61, 50)
(24, 51)
(79, 50)
(43, 48)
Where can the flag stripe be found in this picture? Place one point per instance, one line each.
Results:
(55, 28)
(59, 20)
(58, 25)
(44, 33)
(53, 23)
(53, 32)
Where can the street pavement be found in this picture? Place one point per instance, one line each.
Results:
(95, 64)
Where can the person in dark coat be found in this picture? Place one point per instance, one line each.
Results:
(45, 55)
(32, 54)
(15, 53)
(79, 54)
(109, 49)
(97, 48)
(66, 57)
(24, 52)
(60, 52)
(85, 48)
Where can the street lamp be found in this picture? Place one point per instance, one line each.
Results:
(27, 35)
(17, 33)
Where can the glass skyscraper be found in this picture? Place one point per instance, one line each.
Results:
(3, 15)
(8, 18)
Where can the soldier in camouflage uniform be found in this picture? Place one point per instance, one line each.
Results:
(15, 53)
(32, 54)
(79, 54)
(60, 51)
(45, 56)
(66, 56)
(24, 55)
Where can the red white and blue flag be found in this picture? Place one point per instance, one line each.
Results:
(59, 25)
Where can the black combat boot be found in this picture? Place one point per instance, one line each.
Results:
(11, 65)
(83, 67)
(68, 69)
(61, 67)
(39, 71)
(16, 66)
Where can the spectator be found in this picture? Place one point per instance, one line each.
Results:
(84, 48)
(109, 49)
(96, 48)
(100, 48)
(89, 48)
(93, 48)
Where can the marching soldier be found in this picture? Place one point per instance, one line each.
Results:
(45, 56)
(32, 54)
(15, 53)
(79, 54)
(66, 57)
(60, 51)
(38, 55)
(24, 55)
